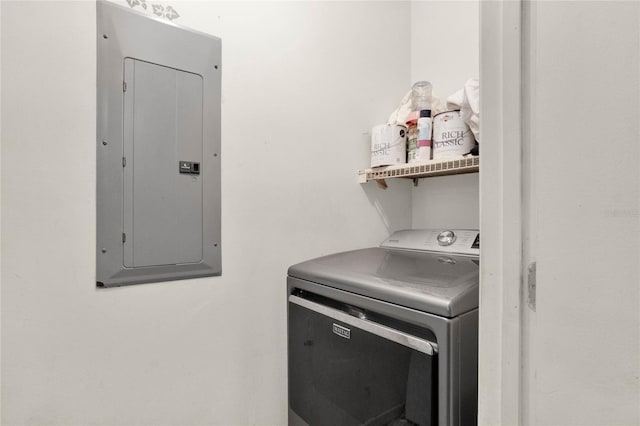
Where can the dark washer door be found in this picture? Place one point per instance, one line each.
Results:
(341, 375)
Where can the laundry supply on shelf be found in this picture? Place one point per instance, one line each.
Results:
(388, 145)
(424, 114)
(412, 137)
(452, 138)
(420, 101)
(423, 152)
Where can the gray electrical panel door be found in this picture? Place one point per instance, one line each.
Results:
(162, 127)
(158, 150)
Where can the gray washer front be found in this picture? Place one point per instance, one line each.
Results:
(413, 279)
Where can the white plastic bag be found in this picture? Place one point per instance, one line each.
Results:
(467, 100)
(399, 116)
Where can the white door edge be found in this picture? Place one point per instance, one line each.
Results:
(501, 195)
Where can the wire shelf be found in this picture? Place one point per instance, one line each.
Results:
(416, 171)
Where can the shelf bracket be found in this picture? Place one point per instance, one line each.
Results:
(381, 183)
(415, 181)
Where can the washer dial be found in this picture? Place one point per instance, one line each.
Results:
(446, 238)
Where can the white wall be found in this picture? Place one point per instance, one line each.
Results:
(445, 51)
(302, 85)
(583, 114)
(445, 43)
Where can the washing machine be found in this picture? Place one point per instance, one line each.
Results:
(386, 335)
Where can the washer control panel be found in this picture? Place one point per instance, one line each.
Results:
(458, 241)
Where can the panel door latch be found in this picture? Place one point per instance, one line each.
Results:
(189, 167)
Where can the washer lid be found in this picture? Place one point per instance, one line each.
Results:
(439, 283)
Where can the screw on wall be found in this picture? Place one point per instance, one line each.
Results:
(104, 143)
(104, 36)
(104, 250)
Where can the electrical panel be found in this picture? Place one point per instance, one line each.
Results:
(158, 150)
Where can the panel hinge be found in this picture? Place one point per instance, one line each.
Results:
(124, 238)
(531, 286)
(124, 86)
(124, 162)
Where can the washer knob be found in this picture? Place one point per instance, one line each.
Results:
(446, 238)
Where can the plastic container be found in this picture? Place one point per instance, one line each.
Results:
(421, 96)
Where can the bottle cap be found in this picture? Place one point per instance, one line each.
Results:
(425, 113)
(412, 118)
